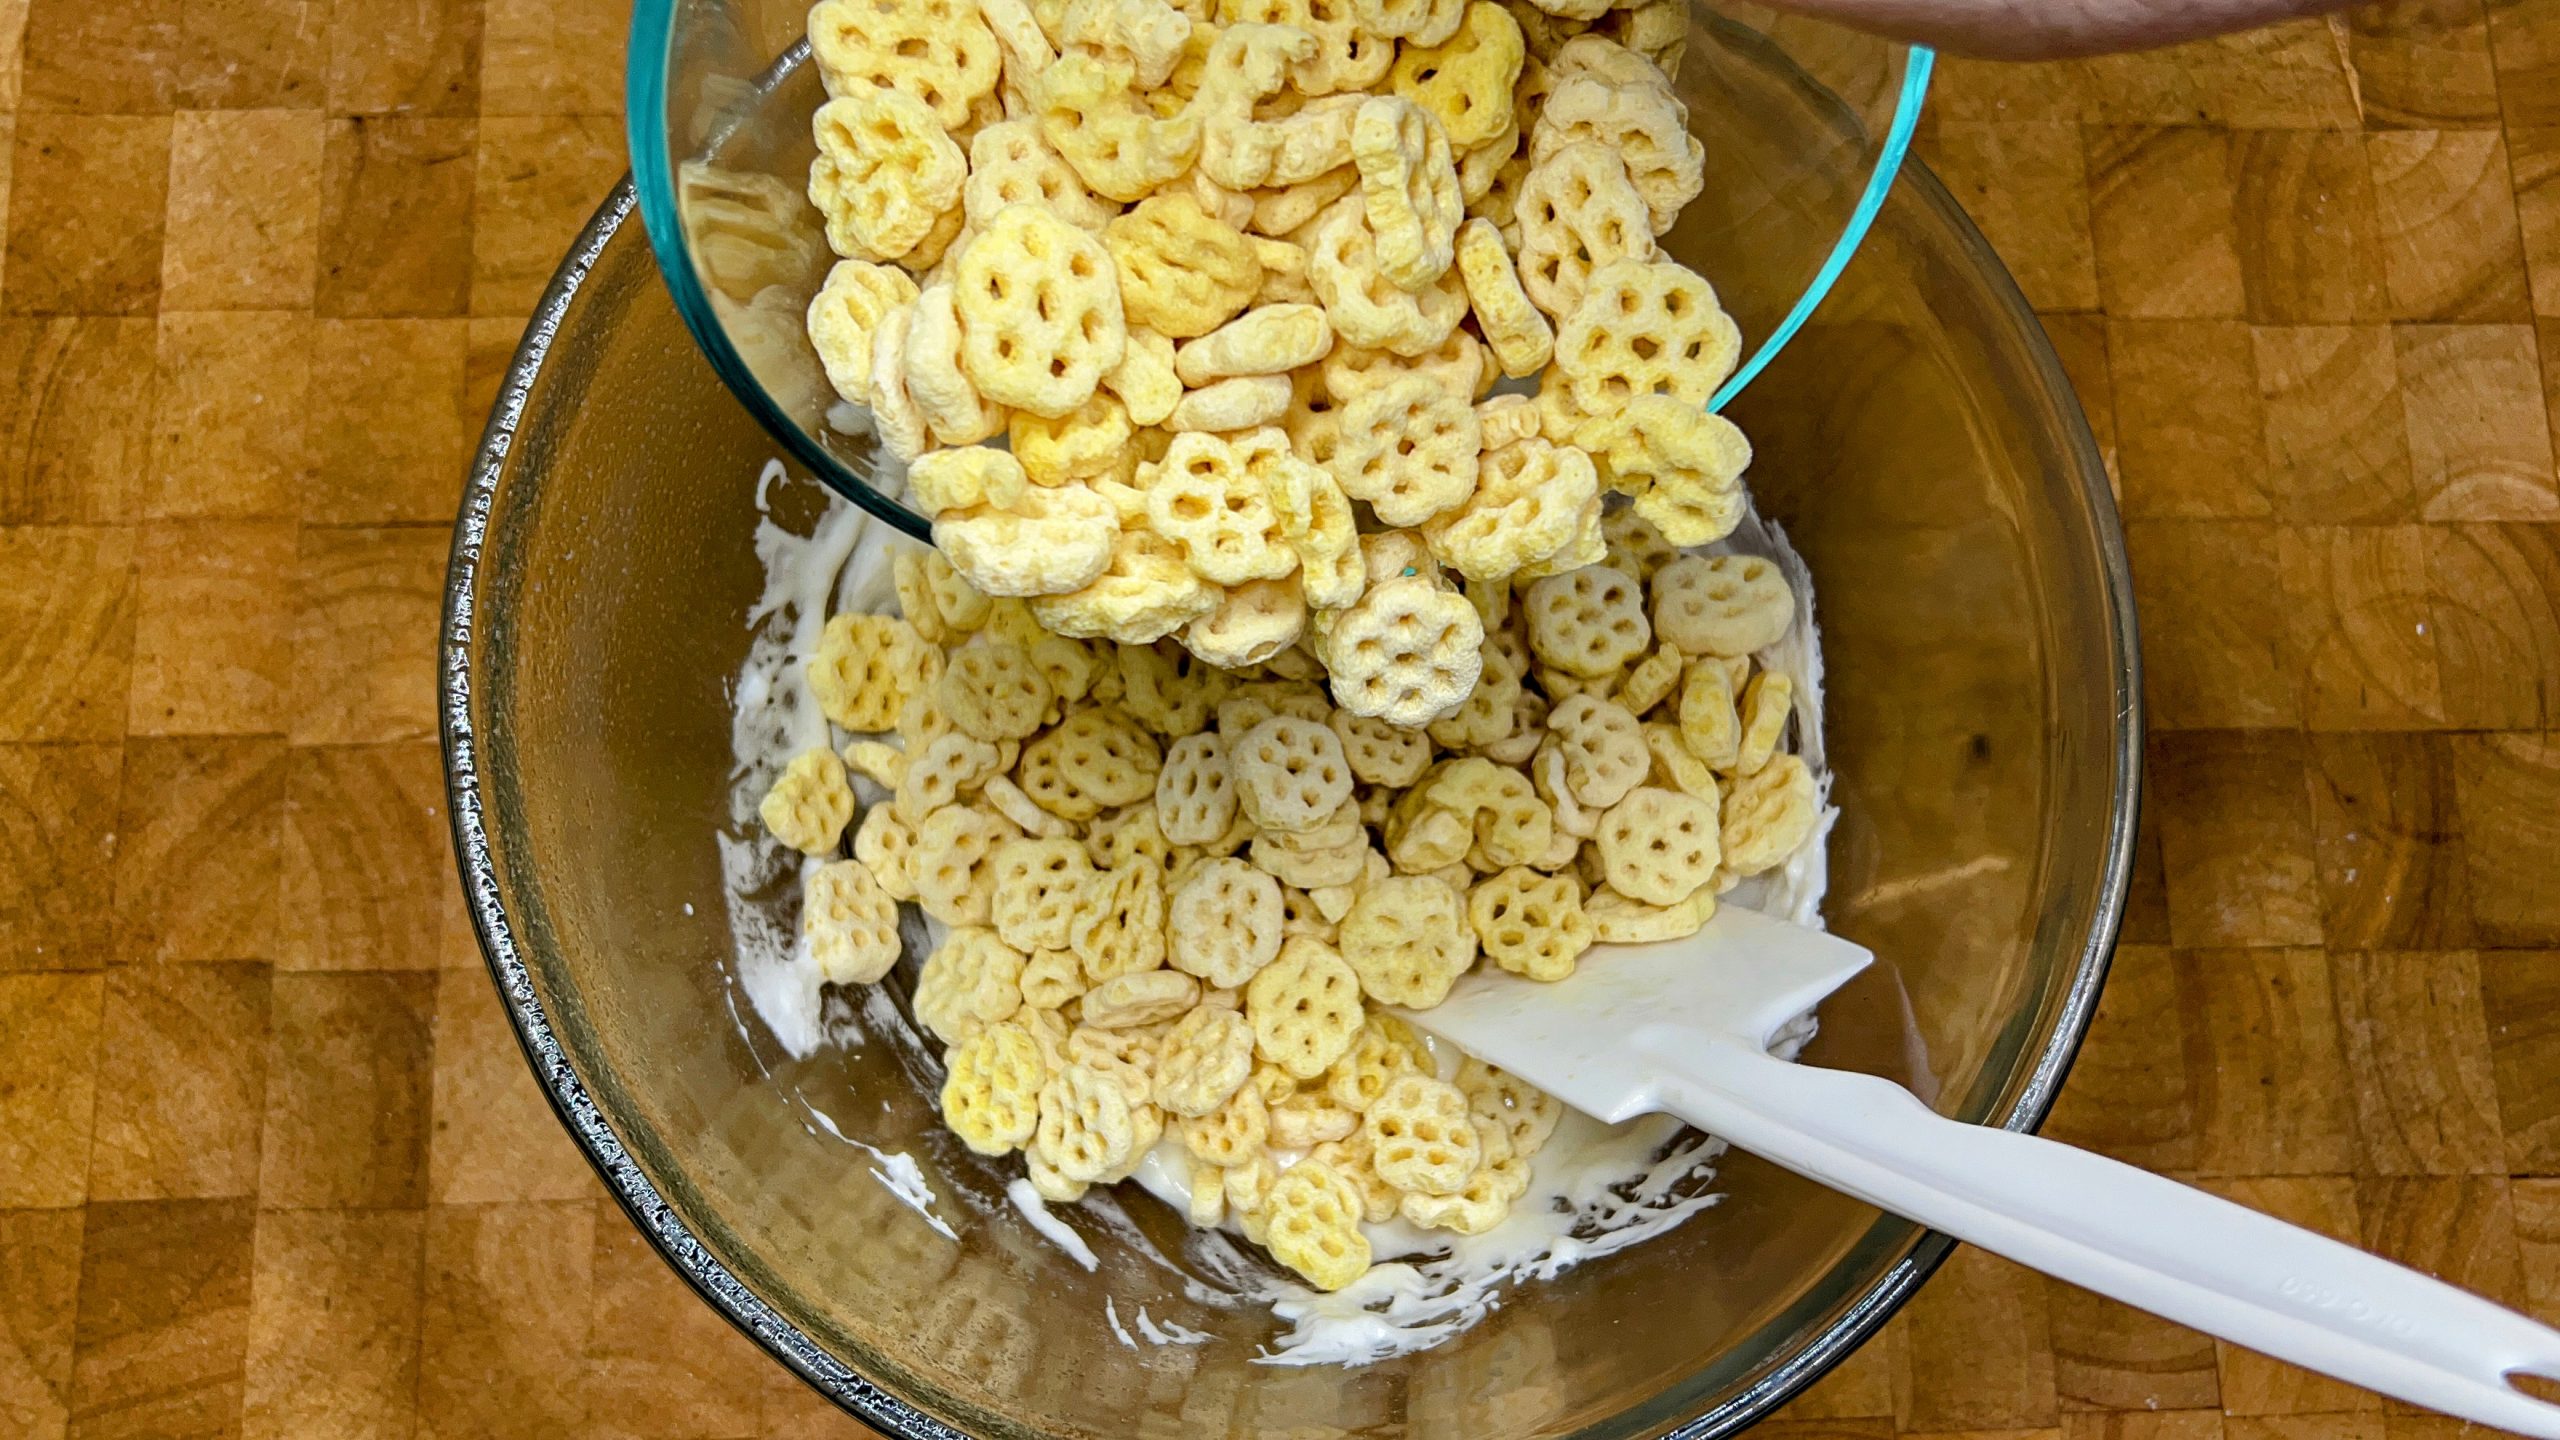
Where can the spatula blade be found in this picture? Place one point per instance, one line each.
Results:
(1734, 982)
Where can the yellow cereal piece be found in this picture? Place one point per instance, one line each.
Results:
(885, 173)
(1265, 340)
(1168, 690)
(1314, 1225)
(1255, 621)
(964, 479)
(1652, 680)
(1422, 1138)
(1308, 1118)
(1495, 1095)
(1769, 814)
(1620, 920)
(954, 413)
(1385, 1049)
(894, 416)
(1658, 846)
(1207, 1056)
(949, 865)
(1408, 188)
(1724, 605)
(1406, 652)
(1766, 704)
(1410, 449)
(1284, 210)
(1290, 774)
(883, 844)
(1147, 997)
(1380, 753)
(1053, 540)
(1040, 313)
(937, 51)
(1465, 82)
(1577, 211)
(1641, 124)
(1239, 403)
(1645, 328)
(1051, 978)
(849, 923)
(1710, 719)
(1092, 440)
(1456, 365)
(1145, 382)
(810, 803)
(1587, 622)
(1304, 1007)
(1480, 1205)
(991, 1097)
(1145, 592)
(844, 317)
(1119, 924)
(1232, 1134)
(1038, 884)
(1091, 111)
(1195, 791)
(1147, 35)
(1601, 747)
(972, 980)
(992, 690)
(882, 764)
(1205, 500)
(1683, 465)
(864, 669)
(1367, 308)
(1406, 937)
(1490, 709)
(1527, 506)
(1506, 822)
(1182, 272)
(1010, 163)
(1480, 171)
(1521, 340)
(1348, 56)
(1421, 23)
(939, 769)
(1088, 1124)
(1530, 924)
(1593, 53)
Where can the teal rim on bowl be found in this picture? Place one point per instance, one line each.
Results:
(719, 97)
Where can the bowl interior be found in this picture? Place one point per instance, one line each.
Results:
(1918, 445)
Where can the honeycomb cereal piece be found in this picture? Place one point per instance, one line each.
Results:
(885, 173)
(845, 315)
(1642, 124)
(1587, 622)
(1385, 1049)
(1168, 690)
(1310, 867)
(953, 411)
(1265, 340)
(1421, 1137)
(1350, 1158)
(1378, 752)
(1127, 1056)
(1119, 923)
(1182, 271)
(1635, 547)
(1284, 270)
(991, 1097)
(810, 803)
(1546, 771)
(1528, 731)
(1577, 212)
(1091, 111)
(1308, 1118)
(1238, 403)
(1195, 791)
(942, 481)
(1527, 506)
(1406, 937)
(1766, 704)
(1618, 920)
(1051, 978)
(1408, 188)
(1418, 22)
(1096, 438)
(1602, 746)
(970, 981)
(939, 769)
(1521, 340)
(849, 923)
(1145, 380)
(948, 864)
(1051, 1186)
(1286, 211)
(894, 416)
(1723, 605)
(864, 669)
(1313, 1225)
(1125, 1002)
(1481, 1204)
(1148, 35)
(1489, 710)
(1645, 327)
(1658, 846)
(1466, 82)
(1710, 725)
(1011, 164)
(1038, 884)
(1226, 921)
(938, 51)
(1207, 1056)
(1290, 774)
(1304, 1007)
(1507, 420)
(883, 843)
(1406, 652)
(1040, 313)
(1233, 1133)
(1088, 763)
(1686, 463)
(883, 765)
(1409, 448)
(1481, 167)
(1650, 681)
(1053, 541)
(1348, 56)
(991, 690)
(1130, 832)
(1255, 621)
(1495, 1095)
(1510, 825)
(1366, 307)
(1769, 814)
(1530, 924)
(1145, 593)
(1657, 30)
(1087, 1125)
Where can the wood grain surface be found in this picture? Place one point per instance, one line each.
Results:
(270, 1164)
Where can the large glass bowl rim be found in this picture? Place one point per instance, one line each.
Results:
(653, 176)
(667, 1232)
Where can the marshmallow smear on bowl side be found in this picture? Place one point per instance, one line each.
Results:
(1272, 667)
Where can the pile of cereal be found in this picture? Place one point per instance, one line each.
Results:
(1172, 895)
(1233, 280)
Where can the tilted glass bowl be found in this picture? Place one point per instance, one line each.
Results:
(720, 98)
(1918, 444)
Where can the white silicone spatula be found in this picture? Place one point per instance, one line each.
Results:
(1683, 1027)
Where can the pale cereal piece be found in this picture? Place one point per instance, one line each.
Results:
(1040, 313)
(1408, 188)
(1240, 403)
(1619, 920)
(885, 173)
(882, 764)
(1089, 762)
(1530, 924)
(864, 669)
(1658, 846)
(929, 589)
(1314, 1225)
(1651, 680)
(1490, 709)
(949, 863)
(940, 52)
(1342, 827)
(942, 481)
(1011, 164)
(1766, 705)
(1509, 824)
(953, 411)
(1350, 1158)
(1528, 731)
(1587, 622)
(1466, 81)
(1683, 465)
(1366, 307)
(1676, 766)
(1119, 925)
(1380, 753)
(810, 803)
(1265, 340)
(1496, 1095)
(1407, 652)
(1315, 517)
(992, 690)
(1769, 814)
(1038, 884)
(1657, 30)
(1645, 327)
(1256, 620)
(1546, 32)
(1500, 203)
(849, 923)
(1422, 1139)
(1385, 1049)
(1310, 867)
(1546, 771)
(1116, 836)
(1602, 746)
(1481, 1204)
(939, 770)
(1169, 690)
(1521, 340)
(1092, 113)
(1284, 272)
(1182, 271)
(1348, 56)
(1087, 1123)
(1308, 1118)
(1480, 171)
(970, 981)
(1051, 978)
(1456, 365)
(1578, 212)
(1244, 145)
(1299, 916)
(883, 844)
(1206, 1057)
(1641, 124)
(1050, 1029)
(1710, 722)
(1286, 211)
(1226, 922)
(1233, 1133)
(1722, 605)
(1407, 938)
(1410, 449)
(1145, 381)
(1125, 1002)
(1290, 773)
(894, 416)
(1146, 592)
(1205, 1195)
(1148, 35)
(1095, 439)
(1559, 418)
(1195, 791)
(1419, 22)
(1528, 506)
(1054, 541)
(1506, 420)
(1127, 1056)
(845, 315)
(1304, 1007)
(1598, 54)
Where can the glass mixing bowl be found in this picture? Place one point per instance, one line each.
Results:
(1919, 445)
(720, 95)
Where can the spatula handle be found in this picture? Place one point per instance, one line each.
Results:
(2152, 1243)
